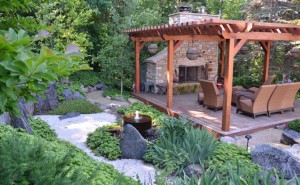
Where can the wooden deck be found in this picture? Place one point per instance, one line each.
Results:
(187, 106)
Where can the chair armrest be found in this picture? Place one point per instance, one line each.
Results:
(243, 95)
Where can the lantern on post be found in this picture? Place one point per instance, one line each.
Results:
(152, 48)
(192, 53)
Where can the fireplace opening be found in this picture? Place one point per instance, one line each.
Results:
(191, 73)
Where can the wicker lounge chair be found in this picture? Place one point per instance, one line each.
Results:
(283, 97)
(212, 97)
(257, 103)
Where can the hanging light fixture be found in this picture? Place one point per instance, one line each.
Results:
(192, 53)
(152, 48)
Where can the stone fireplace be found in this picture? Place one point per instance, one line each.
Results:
(185, 70)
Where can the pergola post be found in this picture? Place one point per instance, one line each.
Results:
(137, 67)
(222, 55)
(267, 49)
(228, 76)
(170, 74)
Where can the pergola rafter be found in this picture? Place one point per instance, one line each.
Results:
(230, 34)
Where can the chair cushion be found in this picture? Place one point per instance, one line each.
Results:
(253, 89)
(200, 97)
(246, 105)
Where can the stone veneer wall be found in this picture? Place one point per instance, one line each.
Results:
(156, 66)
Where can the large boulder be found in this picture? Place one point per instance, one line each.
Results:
(5, 118)
(49, 102)
(227, 139)
(21, 121)
(290, 137)
(133, 145)
(68, 95)
(51, 96)
(29, 107)
(100, 86)
(77, 95)
(269, 157)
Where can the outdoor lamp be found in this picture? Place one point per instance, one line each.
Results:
(152, 48)
(248, 137)
(192, 53)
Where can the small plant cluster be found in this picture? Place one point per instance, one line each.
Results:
(41, 129)
(115, 93)
(103, 143)
(294, 125)
(73, 87)
(85, 78)
(156, 115)
(231, 155)
(179, 145)
(28, 159)
(78, 105)
(185, 88)
(234, 177)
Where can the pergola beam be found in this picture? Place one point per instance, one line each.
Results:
(261, 36)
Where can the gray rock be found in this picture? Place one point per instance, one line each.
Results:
(22, 121)
(133, 145)
(68, 95)
(100, 86)
(77, 95)
(280, 127)
(290, 137)
(65, 81)
(108, 97)
(51, 96)
(193, 169)
(227, 139)
(69, 115)
(5, 118)
(295, 151)
(269, 157)
(120, 99)
(91, 89)
(49, 102)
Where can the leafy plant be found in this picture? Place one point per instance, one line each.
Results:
(73, 87)
(180, 144)
(31, 154)
(156, 115)
(40, 128)
(294, 125)
(85, 78)
(24, 73)
(115, 93)
(102, 143)
(230, 154)
(79, 105)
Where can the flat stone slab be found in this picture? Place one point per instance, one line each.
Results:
(290, 137)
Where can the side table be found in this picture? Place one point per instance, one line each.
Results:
(162, 88)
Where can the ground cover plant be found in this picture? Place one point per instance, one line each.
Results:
(25, 161)
(40, 128)
(231, 155)
(294, 125)
(115, 93)
(179, 145)
(78, 105)
(102, 143)
(156, 115)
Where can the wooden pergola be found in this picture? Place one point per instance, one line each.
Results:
(230, 34)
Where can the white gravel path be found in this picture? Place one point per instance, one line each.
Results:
(76, 130)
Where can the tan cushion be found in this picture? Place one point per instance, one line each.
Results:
(200, 97)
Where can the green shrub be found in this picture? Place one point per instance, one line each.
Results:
(42, 129)
(102, 143)
(33, 160)
(294, 125)
(156, 115)
(230, 154)
(180, 144)
(185, 88)
(85, 78)
(116, 93)
(61, 87)
(78, 105)
(245, 81)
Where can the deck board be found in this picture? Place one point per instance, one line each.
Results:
(187, 106)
